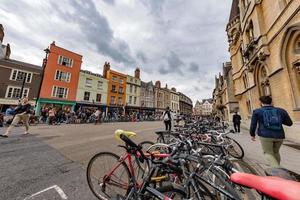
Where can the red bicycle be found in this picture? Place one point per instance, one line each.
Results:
(129, 176)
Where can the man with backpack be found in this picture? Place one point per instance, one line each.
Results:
(270, 130)
(167, 117)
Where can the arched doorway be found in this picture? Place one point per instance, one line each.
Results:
(262, 80)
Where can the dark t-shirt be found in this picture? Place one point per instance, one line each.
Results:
(23, 108)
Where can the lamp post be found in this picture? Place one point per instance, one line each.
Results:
(47, 51)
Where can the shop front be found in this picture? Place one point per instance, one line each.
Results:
(6, 103)
(90, 105)
(66, 106)
(147, 113)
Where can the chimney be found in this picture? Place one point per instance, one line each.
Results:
(53, 43)
(173, 89)
(8, 51)
(137, 73)
(157, 84)
(1, 33)
(167, 86)
(106, 67)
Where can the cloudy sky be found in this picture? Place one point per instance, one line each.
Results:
(182, 43)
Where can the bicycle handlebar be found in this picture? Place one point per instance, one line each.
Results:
(130, 143)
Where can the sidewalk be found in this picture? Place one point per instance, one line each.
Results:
(253, 152)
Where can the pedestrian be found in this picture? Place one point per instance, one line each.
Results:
(98, 116)
(270, 130)
(22, 113)
(51, 114)
(167, 117)
(236, 119)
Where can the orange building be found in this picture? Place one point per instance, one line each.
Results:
(60, 81)
(116, 94)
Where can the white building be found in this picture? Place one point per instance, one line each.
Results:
(207, 107)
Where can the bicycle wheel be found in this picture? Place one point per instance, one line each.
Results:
(173, 191)
(146, 144)
(234, 148)
(107, 177)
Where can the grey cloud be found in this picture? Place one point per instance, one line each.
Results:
(155, 6)
(98, 31)
(174, 63)
(140, 55)
(111, 2)
(197, 89)
(194, 67)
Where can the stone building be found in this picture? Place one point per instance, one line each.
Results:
(198, 109)
(185, 104)
(133, 92)
(162, 98)
(207, 107)
(174, 100)
(147, 98)
(224, 101)
(264, 45)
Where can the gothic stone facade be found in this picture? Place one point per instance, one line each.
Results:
(264, 44)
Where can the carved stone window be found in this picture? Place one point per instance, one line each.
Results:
(264, 83)
(297, 46)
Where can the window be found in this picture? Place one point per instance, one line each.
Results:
(135, 88)
(60, 92)
(68, 62)
(113, 88)
(86, 96)
(131, 79)
(114, 78)
(131, 88)
(98, 97)
(130, 99)
(88, 82)
(120, 100)
(112, 100)
(134, 100)
(264, 84)
(99, 85)
(15, 92)
(62, 76)
(121, 81)
(120, 89)
(18, 75)
(135, 81)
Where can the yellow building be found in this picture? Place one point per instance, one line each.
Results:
(264, 45)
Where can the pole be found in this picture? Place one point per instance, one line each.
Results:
(47, 51)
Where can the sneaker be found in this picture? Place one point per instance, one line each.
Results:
(26, 133)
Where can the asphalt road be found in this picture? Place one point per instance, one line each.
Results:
(50, 162)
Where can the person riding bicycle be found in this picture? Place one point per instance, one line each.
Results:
(270, 130)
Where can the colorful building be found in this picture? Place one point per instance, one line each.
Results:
(174, 100)
(116, 90)
(92, 91)
(133, 92)
(60, 81)
(147, 99)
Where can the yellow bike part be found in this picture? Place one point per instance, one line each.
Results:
(128, 134)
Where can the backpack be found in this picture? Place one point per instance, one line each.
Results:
(167, 116)
(272, 119)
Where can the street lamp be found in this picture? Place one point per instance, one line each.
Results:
(47, 51)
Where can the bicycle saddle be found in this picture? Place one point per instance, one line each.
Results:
(128, 134)
(272, 186)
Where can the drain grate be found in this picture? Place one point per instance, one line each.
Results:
(294, 146)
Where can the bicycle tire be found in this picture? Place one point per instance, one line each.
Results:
(240, 148)
(104, 196)
(173, 191)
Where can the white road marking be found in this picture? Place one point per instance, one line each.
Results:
(57, 188)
